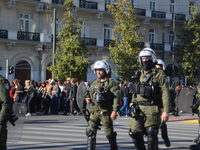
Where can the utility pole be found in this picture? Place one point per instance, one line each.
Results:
(7, 69)
(163, 49)
(54, 37)
(173, 70)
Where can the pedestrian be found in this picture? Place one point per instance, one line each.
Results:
(41, 97)
(48, 94)
(145, 107)
(5, 110)
(55, 97)
(66, 101)
(125, 93)
(160, 65)
(62, 95)
(73, 103)
(31, 100)
(26, 91)
(103, 94)
(12, 90)
(177, 91)
(19, 92)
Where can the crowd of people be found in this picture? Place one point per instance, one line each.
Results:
(50, 97)
(53, 96)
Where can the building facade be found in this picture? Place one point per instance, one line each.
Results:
(26, 28)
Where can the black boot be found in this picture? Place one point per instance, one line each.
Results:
(91, 141)
(152, 138)
(138, 140)
(112, 140)
(164, 134)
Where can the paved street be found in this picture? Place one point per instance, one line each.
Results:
(57, 132)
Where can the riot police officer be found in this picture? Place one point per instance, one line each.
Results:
(197, 140)
(103, 94)
(151, 92)
(161, 65)
(5, 110)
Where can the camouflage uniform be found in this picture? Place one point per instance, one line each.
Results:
(148, 120)
(101, 112)
(5, 110)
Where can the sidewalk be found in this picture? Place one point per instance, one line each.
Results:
(184, 118)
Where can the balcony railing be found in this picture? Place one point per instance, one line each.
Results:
(3, 34)
(158, 14)
(156, 46)
(29, 36)
(139, 11)
(109, 42)
(106, 9)
(88, 4)
(180, 17)
(90, 41)
(58, 2)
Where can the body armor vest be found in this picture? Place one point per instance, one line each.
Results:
(146, 88)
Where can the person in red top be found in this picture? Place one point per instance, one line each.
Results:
(12, 90)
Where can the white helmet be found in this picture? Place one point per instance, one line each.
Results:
(160, 62)
(147, 52)
(101, 64)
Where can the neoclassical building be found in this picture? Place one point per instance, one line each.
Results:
(26, 28)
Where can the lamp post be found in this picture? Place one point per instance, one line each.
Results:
(173, 41)
(54, 37)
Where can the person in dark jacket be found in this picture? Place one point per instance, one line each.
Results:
(66, 101)
(125, 93)
(19, 92)
(31, 100)
(73, 103)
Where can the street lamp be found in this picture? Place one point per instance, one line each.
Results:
(173, 41)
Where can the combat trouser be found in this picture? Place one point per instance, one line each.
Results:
(3, 136)
(148, 118)
(94, 123)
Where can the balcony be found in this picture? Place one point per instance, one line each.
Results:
(88, 4)
(28, 36)
(58, 2)
(3, 34)
(158, 14)
(156, 46)
(178, 17)
(109, 42)
(140, 12)
(90, 41)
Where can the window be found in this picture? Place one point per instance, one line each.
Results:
(108, 1)
(107, 31)
(191, 5)
(171, 6)
(58, 25)
(132, 2)
(151, 35)
(25, 22)
(83, 24)
(152, 4)
(171, 37)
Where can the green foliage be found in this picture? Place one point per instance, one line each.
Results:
(189, 44)
(125, 51)
(71, 57)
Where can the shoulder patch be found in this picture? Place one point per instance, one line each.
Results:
(6, 85)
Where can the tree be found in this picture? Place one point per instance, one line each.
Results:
(125, 51)
(71, 57)
(189, 45)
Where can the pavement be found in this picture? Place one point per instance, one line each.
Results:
(184, 118)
